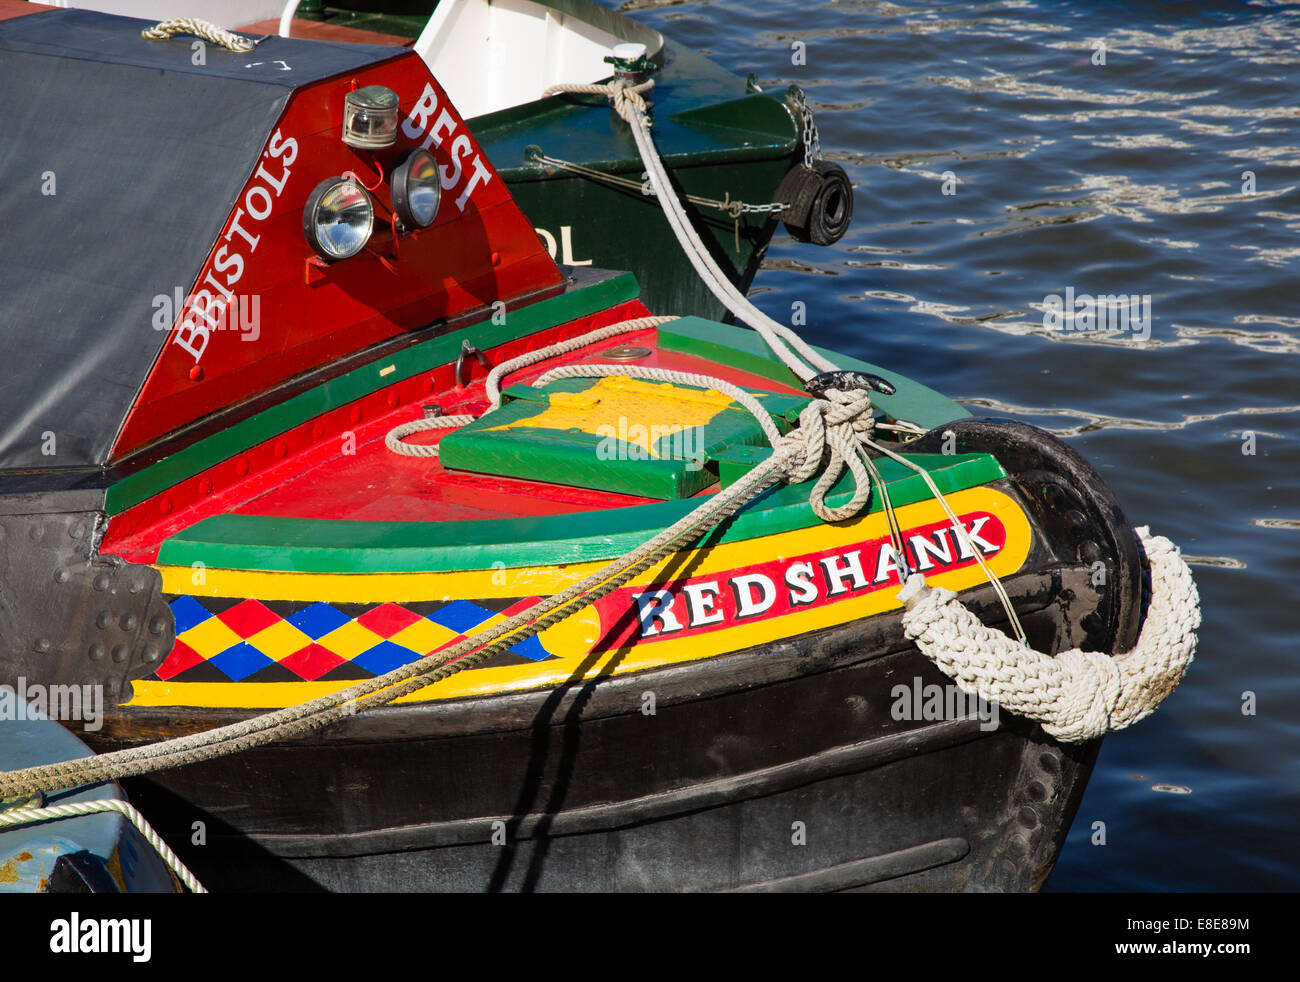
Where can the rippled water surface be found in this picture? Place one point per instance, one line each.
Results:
(1128, 177)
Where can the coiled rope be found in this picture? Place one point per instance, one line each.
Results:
(206, 30)
(396, 438)
(27, 816)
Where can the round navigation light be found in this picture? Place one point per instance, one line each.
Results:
(338, 218)
(370, 117)
(417, 190)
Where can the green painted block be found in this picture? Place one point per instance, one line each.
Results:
(628, 436)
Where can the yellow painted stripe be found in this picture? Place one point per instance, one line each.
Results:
(543, 581)
(571, 639)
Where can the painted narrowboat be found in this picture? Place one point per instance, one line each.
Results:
(736, 150)
(238, 290)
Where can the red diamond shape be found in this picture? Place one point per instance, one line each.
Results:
(248, 617)
(311, 662)
(387, 619)
(181, 658)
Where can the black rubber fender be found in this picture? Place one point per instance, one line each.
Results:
(819, 202)
(1025, 451)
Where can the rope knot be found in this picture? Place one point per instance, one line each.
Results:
(830, 437)
(627, 99)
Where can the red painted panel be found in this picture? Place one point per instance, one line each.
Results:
(337, 467)
(317, 30)
(274, 315)
(21, 8)
(249, 482)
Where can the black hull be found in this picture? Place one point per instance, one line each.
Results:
(594, 795)
(776, 768)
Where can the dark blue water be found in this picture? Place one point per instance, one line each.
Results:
(1123, 177)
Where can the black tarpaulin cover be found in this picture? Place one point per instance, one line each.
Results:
(145, 154)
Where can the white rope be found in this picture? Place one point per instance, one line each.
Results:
(286, 17)
(835, 426)
(630, 105)
(395, 440)
(26, 816)
(201, 29)
(493, 385)
(1078, 695)
(825, 425)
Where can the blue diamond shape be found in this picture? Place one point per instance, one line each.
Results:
(461, 615)
(318, 620)
(240, 661)
(384, 657)
(188, 613)
(531, 649)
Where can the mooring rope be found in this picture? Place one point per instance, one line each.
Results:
(204, 29)
(629, 103)
(796, 457)
(28, 816)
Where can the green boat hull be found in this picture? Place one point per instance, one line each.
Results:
(720, 140)
(719, 136)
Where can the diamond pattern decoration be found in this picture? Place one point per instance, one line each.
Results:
(424, 635)
(248, 640)
(349, 640)
(316, 620)
(212, 637)
(280, 640)
(312, 662)
(240, 661)
(182, 658)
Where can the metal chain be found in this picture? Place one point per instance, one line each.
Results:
(812, 144)
(732, 208)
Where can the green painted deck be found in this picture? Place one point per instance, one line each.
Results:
(318, 546)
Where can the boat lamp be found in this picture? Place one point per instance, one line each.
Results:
(370, 117)
(338, 218)
(417, 190)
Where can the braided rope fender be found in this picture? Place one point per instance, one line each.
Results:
(1077, 695)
